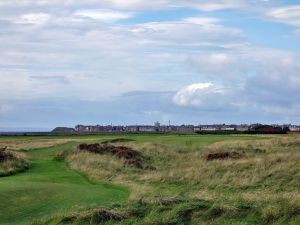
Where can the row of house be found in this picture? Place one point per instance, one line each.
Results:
(134, 128)
(157, 127)
(294, 128)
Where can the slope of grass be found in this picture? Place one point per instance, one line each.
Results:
(12, 163)
(265, 179)
(49, 186)
(179, 160)
(33, 142)
(13, 166)
(180, 211)
(262, 187)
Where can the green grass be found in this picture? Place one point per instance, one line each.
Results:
(50, 186)
(262, 187)
(180, 211)
(12, 166)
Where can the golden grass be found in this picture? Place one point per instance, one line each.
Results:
(106, 168)
(266, 177)
(17, 163)
(28, 144)
(267, 166)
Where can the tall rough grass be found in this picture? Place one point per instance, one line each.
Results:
(266, 178)
(30, 143)
(14, 165)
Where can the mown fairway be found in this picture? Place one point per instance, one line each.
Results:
(262, 187)
(48, 187)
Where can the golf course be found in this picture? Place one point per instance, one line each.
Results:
(50, 186)
(174, 183)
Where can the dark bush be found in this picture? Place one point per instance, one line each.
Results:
(223, 155)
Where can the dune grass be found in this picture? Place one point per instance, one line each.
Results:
(14, 163)
(262, 187)
(13, 166)
(265, 179)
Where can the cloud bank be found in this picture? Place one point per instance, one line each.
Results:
(68, 62)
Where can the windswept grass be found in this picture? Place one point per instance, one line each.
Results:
(180, 211)
(261, 187)
(266, 176)
(270, 163)
(21, 143)
(15, 164)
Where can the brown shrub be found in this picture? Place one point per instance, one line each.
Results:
(133, 163)
(105, 215)
(223, 155)
(95, 148)
(5, 155)
(150, 168)
(94, 217)
(123, 152)
(131, 157)
(82, 146)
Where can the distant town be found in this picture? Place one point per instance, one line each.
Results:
(158, 128)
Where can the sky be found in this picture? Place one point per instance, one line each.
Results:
(68, 62)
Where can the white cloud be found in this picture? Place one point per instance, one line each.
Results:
(188, 33)
(80, 55)
(33, 18)
(201, 5)
(6, 109)
(110, 50)
(216, 61)
(213, 5)
(288, 15)
(197, 94)
(261, 79)
(136, 4)
(201, 20)
(103, 15)
(228, 66)
(117, 4)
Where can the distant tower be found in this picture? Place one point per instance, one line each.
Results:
(157, 124)
(169, 123)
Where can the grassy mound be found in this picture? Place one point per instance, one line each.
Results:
(131, 157)
(261, 175)
(182, 211)
(12, 163)
(91, 216)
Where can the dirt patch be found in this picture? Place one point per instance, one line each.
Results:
(117, 140)
(223, 155)
(131, 157)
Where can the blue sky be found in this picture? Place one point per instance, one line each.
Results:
(72, 62)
